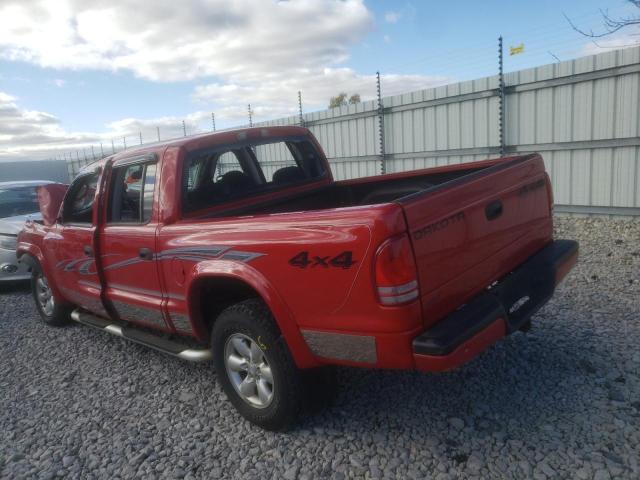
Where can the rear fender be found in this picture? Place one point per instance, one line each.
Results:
(254, 279)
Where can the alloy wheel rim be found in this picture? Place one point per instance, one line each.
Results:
(45, 295)
(248, 369)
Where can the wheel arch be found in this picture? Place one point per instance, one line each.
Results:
(233, 285)
(32, 256)
(29, 259)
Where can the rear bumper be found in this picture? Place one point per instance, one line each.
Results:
(501, 310)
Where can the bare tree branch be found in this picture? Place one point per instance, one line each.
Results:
(611, 25)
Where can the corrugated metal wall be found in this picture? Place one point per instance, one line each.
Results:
(582, 115)
(587, 129)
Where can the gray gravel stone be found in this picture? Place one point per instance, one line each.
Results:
(562, 401)
(456, 423)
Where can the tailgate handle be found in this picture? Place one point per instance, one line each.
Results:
(493, 210)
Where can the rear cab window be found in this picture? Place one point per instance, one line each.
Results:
(248, 169)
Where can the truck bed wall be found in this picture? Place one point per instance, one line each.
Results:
(366, 191)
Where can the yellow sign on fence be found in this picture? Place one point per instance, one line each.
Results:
(516, 50)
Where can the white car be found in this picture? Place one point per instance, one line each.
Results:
(18, 203)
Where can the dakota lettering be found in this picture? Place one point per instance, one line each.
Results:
(439, 225)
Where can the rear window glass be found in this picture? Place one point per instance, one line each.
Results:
(248, 169)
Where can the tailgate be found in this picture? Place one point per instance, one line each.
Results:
(470, 231)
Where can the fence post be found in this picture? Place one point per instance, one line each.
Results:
(383, 166)
(250, 117)
(140, 133)
(213, 121)
(184, 128)
(300, 117)
(93, 153)
(501, 105)
(101, 150)
(70, 167)
(158, 131)
(124, 142)
(113, 147)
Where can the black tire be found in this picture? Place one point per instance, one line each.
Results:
(252, 320)
(58, 314)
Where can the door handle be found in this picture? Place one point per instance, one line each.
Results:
(145, 253)
(493, 210)
(88, 251)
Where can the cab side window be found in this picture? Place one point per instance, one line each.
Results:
(78, 204)
(131, 198)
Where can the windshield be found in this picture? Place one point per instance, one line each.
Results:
(18, 201)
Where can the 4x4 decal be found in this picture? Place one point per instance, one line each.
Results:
(304, 259)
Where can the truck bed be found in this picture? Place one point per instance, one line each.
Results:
(361, 192)
(469, 224)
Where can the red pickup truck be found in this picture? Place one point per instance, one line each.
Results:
(240, 248)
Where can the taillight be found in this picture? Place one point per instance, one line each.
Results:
(396, 276)
(549, 187)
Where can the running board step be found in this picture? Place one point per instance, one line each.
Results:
(150, 340)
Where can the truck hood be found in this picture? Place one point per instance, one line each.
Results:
(13, 225)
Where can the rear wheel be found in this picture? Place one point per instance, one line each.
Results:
(255, 367)
(51, 312)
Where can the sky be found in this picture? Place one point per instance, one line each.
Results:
(78, 73)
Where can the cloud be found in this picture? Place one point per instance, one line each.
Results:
(164, 127)
(406, 13)
(392, 17)
(58, 82)
(607, 44)
(277, 97)
(167, 40)
(34, 135)
(30, 134)
(244, 51)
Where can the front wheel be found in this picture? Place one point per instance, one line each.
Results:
(255, 367)
(51, 312)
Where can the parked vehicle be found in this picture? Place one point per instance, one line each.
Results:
(18, 202)
(239, 247)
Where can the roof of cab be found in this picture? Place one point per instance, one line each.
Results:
(202, 140)
(195, 142)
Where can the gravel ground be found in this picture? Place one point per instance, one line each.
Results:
(562, 401)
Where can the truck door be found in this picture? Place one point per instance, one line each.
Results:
(128, 243)
(71, 245)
